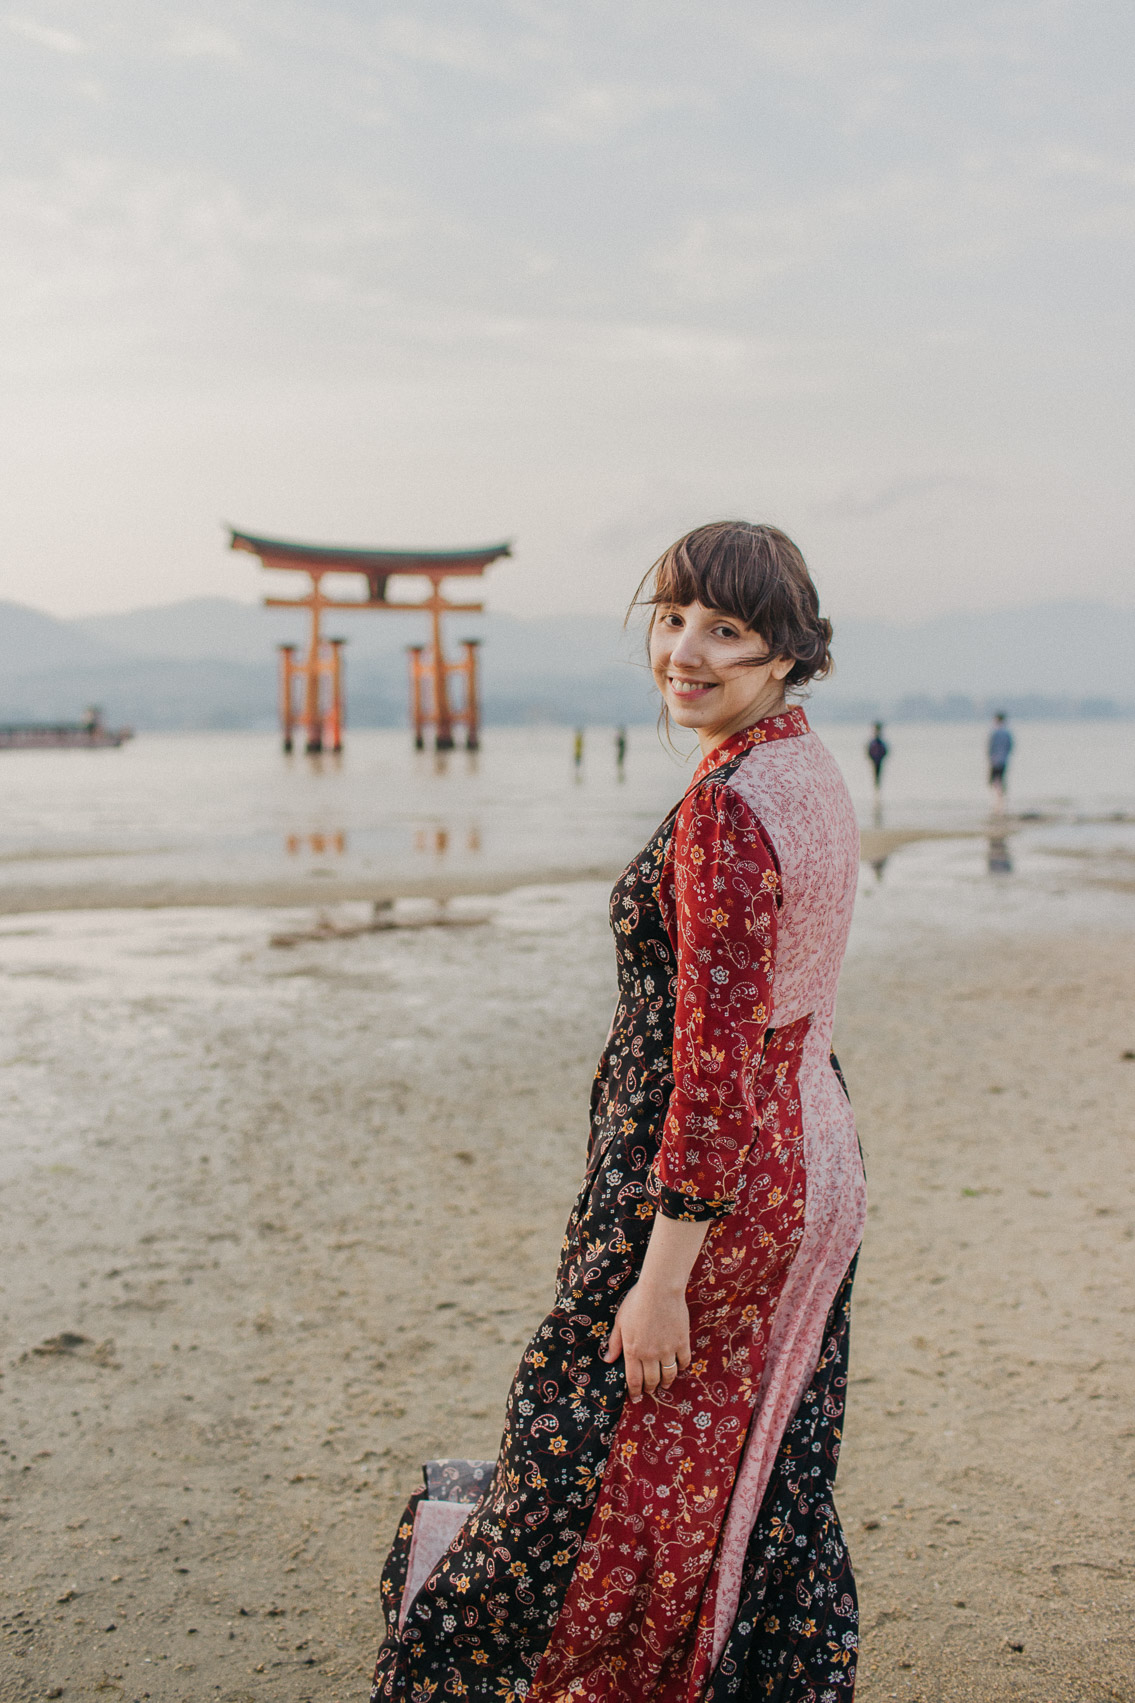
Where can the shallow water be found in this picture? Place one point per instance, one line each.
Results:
(232, 808)
(101, 983)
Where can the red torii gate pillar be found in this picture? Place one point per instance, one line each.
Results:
(316, 680)
(317, 677)
(432, 701)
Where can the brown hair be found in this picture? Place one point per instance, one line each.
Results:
(757, 575)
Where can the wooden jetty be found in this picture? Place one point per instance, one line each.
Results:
(89, 734)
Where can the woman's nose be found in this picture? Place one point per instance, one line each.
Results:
(687, 649)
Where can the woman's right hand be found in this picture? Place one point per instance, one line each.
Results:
(652, 1333)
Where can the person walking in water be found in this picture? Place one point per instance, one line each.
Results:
(620, 751)
(659, 1526)
(877, 754)
(1000, 750)
(577, 750)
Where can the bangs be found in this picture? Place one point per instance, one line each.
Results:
(718, 580)
(730, 566)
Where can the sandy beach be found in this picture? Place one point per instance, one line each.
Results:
(277, 1220)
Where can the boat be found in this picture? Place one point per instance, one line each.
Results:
(88, 734)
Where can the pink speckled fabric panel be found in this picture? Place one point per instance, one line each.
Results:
(798, 795)
(436, 1524)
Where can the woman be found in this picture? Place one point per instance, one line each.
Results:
(659, 1522)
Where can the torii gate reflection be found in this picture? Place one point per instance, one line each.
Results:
(316, 679)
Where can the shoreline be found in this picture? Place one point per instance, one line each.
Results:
(288, 892)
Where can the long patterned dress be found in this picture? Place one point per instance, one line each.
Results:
(684, 1548)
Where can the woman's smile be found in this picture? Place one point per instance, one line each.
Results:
(690, 688)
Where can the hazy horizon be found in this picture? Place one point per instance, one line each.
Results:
(212, 662)
(577, 275)
(253, 598)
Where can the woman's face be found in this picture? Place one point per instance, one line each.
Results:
(702, 664)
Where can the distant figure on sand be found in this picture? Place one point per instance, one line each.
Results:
(877, 753)
(577, 749)
(659, 1526)
(620, 751)
(1000, 750)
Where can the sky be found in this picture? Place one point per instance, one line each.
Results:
(579, 273)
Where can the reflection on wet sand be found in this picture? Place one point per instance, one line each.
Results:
(319, 844)
(999, 861)
(879, 847)
(316, 762)
(879, 861)
(441, 761)
(384, 915)
(438, 839)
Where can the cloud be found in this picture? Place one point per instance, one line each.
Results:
(457, 48)
(45, 35)
(590, 114)
(965, 212)
(203, 41)
(102, 257)
(856, 38)
(899, 494)
(1099, 168)
(651, 350)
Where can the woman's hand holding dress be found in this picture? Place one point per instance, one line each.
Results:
(652, 1333)
(652, 1326)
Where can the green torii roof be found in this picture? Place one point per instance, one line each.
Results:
(376, 564)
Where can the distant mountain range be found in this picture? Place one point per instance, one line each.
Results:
(210, 663)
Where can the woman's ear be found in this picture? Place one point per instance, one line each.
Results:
(781, 666)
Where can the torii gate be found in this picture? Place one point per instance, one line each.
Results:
(320, 711)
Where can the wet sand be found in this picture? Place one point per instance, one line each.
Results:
(277, 1221)
(58, 886)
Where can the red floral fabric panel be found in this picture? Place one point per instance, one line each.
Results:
(720, 893)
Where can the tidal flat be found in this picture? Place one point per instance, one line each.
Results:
(277, 1220)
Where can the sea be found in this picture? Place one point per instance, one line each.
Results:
(233, 811)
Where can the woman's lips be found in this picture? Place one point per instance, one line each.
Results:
(691, 689)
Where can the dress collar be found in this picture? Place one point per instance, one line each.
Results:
(787, 725)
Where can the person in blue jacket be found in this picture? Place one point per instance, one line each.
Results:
(1000, 749)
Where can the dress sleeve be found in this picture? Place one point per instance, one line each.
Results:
(726, 895)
